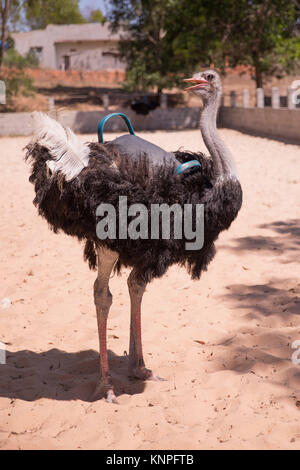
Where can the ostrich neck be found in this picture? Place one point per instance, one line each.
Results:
(222, 157)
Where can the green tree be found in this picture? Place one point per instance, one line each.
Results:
(163, 40)
(96, 16)
(40, 13)
(143, 42)
(264, 34)
(261, 33)
(191, 32)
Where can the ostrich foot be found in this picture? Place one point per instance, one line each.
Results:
(143, 373)
(104, 389)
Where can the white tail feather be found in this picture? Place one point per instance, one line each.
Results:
(69, 154)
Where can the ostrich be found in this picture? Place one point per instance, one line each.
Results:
(72, 179)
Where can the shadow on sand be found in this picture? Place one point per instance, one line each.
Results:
(270, 313)
(285, 243)
(262, 346)
(60, 375)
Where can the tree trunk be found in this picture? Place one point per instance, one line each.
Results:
(5, 9)
(258, 78)
(258, 72)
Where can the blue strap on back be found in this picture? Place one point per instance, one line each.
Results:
(106, 118)
(186, 166)
(179, 169)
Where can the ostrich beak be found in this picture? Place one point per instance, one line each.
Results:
(199, 83)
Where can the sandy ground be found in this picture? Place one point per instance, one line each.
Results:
(238, 390)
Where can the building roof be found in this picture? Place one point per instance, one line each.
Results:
(74, 32)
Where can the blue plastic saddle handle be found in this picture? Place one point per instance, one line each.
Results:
(187, 165)
(106, 118)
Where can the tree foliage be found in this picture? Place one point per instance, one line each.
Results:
(40, 13)
(143, 41)
(260, 33)
(163, 39)
(96, 16)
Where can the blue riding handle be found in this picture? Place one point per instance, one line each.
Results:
(106, 118)
(186, 166)
(141, 145)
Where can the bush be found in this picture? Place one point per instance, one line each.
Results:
(17, 83)
(13, 75)
(13, 59)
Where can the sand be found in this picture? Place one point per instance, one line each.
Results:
(223, 343)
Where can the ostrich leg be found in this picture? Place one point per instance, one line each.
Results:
(136, 361)
(103, 301)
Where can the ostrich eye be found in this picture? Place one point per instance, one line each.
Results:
(210, 77)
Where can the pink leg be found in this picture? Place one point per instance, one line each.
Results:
(136, 361)
(103, 301)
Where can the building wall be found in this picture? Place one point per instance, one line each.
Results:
(88, 55)
(39, 38)
(85, 44)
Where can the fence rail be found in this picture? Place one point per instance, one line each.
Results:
(275, 100)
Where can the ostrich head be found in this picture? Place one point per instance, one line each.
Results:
(207, 85)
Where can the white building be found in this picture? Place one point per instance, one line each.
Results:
(77, 46)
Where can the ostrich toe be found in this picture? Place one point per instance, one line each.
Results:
(144, 374)
(106, 391)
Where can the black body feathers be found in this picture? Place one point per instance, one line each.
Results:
(71, 206)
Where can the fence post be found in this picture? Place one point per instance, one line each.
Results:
(245, 98)
(290, 93)
(163, 101)
(106, 102)
(260, 99)
(275, 98)
(2, 354)
(51, 103)
(2, 92)
(233, 99)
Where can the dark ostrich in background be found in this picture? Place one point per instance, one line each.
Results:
(72, 179)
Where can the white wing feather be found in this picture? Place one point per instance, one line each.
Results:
(69, 154)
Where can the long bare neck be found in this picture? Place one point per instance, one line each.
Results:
(222, 157)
